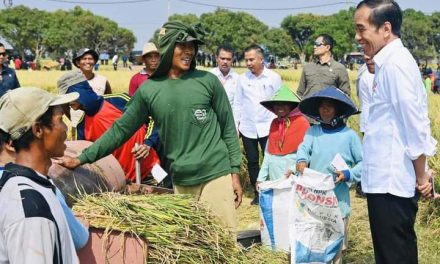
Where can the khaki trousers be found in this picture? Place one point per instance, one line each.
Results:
(218, 195)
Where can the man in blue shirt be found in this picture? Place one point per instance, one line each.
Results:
(8, 79)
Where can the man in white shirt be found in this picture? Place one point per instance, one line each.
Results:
(227, 76)
(256, 85)
(115, 62)
(397, 135)
(364, 85)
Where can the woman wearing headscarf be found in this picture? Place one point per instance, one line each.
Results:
(330, 138)
(100, 112)
(195, 123)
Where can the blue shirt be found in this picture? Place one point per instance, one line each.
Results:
(8, 80)
(274, 167)
(80, 234)
(320, 147)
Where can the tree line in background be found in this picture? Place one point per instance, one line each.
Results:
(295, 36)
(62, 31)
(58, 32)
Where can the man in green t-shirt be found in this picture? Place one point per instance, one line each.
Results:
(195, 122)
(427, 81)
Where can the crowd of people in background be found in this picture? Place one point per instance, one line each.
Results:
(431, 78)
(191, 121)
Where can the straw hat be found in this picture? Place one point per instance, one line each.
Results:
(283, 95)
(310, 105)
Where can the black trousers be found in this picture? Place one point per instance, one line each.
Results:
(392, 228)
(252, 153)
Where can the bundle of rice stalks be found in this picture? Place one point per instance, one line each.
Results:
(178, 229)
(264, 255)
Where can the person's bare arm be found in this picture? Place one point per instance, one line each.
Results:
(424, 185)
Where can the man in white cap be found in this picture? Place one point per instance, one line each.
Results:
(32, 222)
(150, 57)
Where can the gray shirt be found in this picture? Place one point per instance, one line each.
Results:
(317, 76)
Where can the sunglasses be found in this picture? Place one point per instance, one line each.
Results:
(3, 54)
(318, 44)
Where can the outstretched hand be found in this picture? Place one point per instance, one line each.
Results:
(67, 162)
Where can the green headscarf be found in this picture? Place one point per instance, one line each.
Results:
(171, 33)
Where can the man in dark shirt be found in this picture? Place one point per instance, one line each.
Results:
(8, 79)
(324, 71)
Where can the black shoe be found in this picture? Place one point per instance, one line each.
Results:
(255, 201)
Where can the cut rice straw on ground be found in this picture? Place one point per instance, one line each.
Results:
(178, 229)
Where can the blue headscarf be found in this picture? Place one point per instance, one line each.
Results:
(90, 102)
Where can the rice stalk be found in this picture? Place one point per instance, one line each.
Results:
(178, 229)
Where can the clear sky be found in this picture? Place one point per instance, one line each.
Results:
(143, 17)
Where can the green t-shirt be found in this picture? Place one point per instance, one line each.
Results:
(195, 124)
(428, 84)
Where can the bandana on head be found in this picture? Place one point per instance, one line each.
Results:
(89, 100)
(279, 131)
(284, 125)
(286, 133)
(171, 33)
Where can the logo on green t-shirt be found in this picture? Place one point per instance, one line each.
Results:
(200, 114)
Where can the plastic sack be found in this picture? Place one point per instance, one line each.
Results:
(316, 228)
(276, 197)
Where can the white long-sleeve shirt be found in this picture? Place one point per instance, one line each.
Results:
(364, 85)
(398, 129)
(254, 120)
(230, 83)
